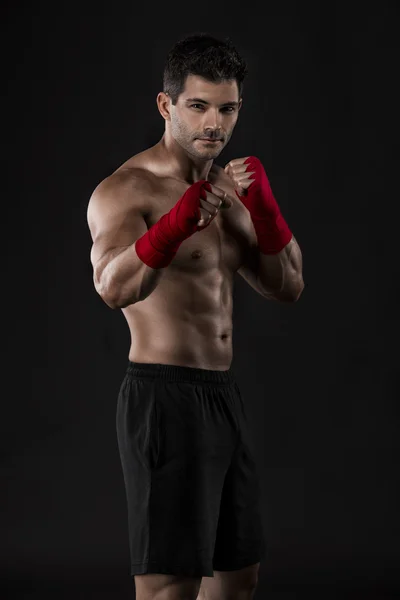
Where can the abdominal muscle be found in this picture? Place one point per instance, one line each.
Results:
(185, 321)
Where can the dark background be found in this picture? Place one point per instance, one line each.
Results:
(320, 377)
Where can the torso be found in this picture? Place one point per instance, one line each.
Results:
(187, 319)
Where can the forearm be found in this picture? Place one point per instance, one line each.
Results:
(281, 275)
(125, 279)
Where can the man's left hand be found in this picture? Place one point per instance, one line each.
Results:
(254, 191)
(236, 169)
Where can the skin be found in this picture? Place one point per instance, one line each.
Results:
(182, 314)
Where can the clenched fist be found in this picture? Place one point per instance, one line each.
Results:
(209, 208)
(236, 169)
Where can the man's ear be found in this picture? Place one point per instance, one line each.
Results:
(164, 103)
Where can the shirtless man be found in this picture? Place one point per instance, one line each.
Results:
(170, 229)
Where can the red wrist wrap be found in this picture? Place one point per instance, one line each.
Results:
(158, 246)
(271, 228)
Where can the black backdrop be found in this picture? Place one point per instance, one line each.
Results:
(320, 377)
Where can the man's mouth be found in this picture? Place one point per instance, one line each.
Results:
(213, 140)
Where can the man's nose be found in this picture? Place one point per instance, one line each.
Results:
(212, 124)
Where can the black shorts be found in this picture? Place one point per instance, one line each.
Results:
(191, 480)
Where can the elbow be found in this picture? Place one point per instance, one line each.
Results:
(108, 298)
(296, 291)
(103, 290)
(118, 300)
(291, 294)
(110, 302)
(113, 295)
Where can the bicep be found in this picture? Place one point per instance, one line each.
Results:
(115, 221)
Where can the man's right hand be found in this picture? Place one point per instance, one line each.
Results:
(158, 246)
(216, 199)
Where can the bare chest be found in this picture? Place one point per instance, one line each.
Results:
(221, 244)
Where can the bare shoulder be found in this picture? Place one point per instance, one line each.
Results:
(126, 189)
(123, 184)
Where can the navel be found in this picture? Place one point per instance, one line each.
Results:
(197, 254)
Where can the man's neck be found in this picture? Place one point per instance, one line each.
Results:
(181, 165)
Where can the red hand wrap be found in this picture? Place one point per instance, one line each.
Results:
(158, 246)
(271, 228)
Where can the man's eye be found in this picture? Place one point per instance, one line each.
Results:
(229, 109)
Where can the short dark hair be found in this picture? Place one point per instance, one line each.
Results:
(203, 55)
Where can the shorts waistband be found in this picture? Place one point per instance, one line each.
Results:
(179, 373)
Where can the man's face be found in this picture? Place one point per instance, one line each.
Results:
(205, 110)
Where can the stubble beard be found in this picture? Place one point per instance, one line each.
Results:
(185, 139)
